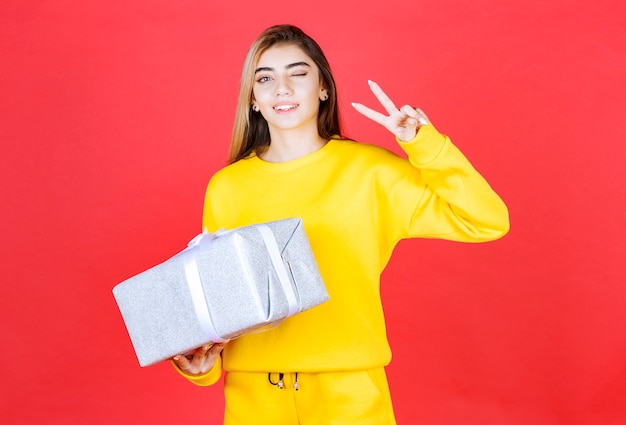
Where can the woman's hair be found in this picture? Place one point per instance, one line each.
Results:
(250, 130)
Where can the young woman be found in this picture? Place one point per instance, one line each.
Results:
(288, 159)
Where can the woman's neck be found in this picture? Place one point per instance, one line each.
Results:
(287, 145)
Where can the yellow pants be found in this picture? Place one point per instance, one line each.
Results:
(354, 397)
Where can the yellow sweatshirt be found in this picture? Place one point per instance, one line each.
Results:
(356, 202)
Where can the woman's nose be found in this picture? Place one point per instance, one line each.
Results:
(283, 86)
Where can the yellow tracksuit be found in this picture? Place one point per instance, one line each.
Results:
(356, 202)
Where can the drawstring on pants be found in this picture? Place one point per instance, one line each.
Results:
(280, 383)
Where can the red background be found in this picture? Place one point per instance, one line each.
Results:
(115, 114)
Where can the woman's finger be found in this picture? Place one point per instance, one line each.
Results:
(371, 114)
(422, 118)
(384, 100)
(182, 362)
(411, 115)
(415, 113)
(216, 349)
(201, 353)
(409, 111)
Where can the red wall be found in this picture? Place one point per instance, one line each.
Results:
(113, 116)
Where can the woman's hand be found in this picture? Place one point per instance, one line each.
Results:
(200, 361)
(403, 122)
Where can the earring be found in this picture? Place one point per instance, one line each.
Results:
(255, 107)
(325, 98)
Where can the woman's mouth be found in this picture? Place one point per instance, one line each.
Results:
(285, 107)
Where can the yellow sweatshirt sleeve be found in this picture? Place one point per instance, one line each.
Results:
(457, 203)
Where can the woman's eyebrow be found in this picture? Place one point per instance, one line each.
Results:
(291, 65)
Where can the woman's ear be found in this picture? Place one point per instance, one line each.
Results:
(323, 94)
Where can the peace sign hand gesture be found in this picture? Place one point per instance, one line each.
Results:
(403, 122)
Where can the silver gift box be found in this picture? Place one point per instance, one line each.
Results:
(220, 287)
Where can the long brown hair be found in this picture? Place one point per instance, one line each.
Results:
(250, 130)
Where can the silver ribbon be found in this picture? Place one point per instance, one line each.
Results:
(194, 281)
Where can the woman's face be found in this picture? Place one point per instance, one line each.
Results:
(287, 89)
